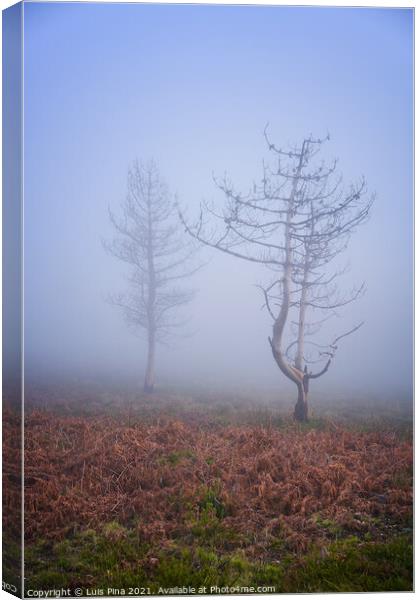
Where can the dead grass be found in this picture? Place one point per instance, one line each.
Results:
(264, 483)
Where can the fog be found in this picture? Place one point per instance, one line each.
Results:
(193, 87)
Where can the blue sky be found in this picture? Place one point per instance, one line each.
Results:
(193, 87)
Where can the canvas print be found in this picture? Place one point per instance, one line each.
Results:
(207, 299)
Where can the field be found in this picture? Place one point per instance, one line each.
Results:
(166, 492)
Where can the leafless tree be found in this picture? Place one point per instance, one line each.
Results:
(150, 240)
(295, 221)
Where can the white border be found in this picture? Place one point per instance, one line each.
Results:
(390, 4)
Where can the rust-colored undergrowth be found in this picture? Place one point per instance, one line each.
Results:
(261, 481)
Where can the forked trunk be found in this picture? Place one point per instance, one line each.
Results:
(149, 380)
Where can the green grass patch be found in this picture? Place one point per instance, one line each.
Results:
(106, 558)
(354, 566)
(211, 555)
(211, 502)
(12, 562)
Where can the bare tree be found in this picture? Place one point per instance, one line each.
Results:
(148, 238)
(295, 221)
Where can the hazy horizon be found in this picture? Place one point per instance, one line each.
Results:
(193, 87)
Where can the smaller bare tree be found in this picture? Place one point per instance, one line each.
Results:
(149, 239)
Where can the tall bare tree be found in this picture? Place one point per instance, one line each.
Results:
(149, 239)
(295, 221)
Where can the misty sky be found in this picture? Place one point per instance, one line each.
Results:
(193, 87)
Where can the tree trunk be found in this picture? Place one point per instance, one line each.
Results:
(301, 407)
(149, 380)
